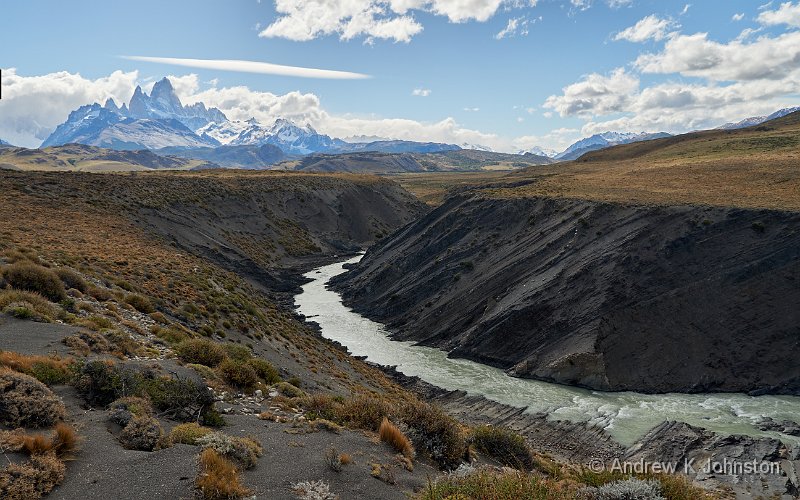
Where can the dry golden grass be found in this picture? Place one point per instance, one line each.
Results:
(394, 437)
(62, 442)
(433, 187)
(218, 478)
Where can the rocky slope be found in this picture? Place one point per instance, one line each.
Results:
(603, 295)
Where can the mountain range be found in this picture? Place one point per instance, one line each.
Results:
(4, 143)
(160, 121)
(758, 120)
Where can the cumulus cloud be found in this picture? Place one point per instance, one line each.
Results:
(32, 106)
(697, 56)
(303, 20)
(421, 92)
(788, 13)
(558, 139)
(595, 94)
(649, 28)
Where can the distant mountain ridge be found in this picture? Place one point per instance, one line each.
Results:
(4, 143)
(758, 120)
(605, 140)
(160, 121)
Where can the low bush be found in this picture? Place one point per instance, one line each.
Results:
(265, 371)
(71, 279)
(35, 278)
(218, 478)
(237, 352)
(243, 451)
(27, 305)
(435, 432)
(26, 402)
(100, 294)
(363, 412)
(188, 433)
(506, 446)
(46, 369)
(100, 383)
(629, 489)
(123, 410)
(200, 351)
(32, 479)
(289, 390)
(394, 437)
(140, 303)
(179, 398)
(313, 490)
(142, 433)
(238, 374)
(489, 484)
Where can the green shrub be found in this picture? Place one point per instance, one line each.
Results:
(289, 390)
(123, 410)
(26, 402)
(101, 382)
(188, 433)
(100, 294)
(363, 412)
(27, 305)
(34, 278)
(200, 351)
(265, 370)
(238, 374)
(142, 433)
(140, 303)
(71, 279)
(237, 352)
(508, 447)
(178, 398)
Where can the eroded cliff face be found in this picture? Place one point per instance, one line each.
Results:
(607, 296)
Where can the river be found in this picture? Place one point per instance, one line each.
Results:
(625, 415)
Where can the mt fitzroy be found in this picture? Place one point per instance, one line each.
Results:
(160, 120)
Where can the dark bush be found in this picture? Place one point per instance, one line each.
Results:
(265, 370)
(140, 303)
(142, 433)
(238, 374)
(178, 398)
(506, 446)
(435, 432)
(26, 402)
(200, 351)
(123, 410)
(237, 352)
(71, 279)
(33, 278)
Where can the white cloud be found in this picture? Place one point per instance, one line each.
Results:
(558, 139)
(650, 27)
(303, 20)
(421, 92)
(788, 13)
(32, 106)
(511, 28)
(251, 67)
(697, 56)
(472, 110)
(616, 4)
(595, 95)
(685, 9)
(738, 17)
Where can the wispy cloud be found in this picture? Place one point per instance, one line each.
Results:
(263, 68)
(421, 92)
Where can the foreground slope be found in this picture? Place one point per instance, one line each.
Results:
(670, 265)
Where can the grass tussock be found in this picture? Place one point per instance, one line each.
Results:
(244, 451)
(49, 370)
(35, 278)
(487, 484)
(394, 437)
(62, 441)
(201, 352)
(218, 478)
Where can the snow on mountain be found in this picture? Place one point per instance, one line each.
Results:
(163, 103)
(605, 140)
(131, 134)
(83, 124)
(225, 132)
(476, 147)
(358, 139)
(288, 136)
(758, 120)
(539, 151)
(4, 143)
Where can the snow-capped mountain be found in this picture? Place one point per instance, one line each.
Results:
(83, 124)
(476, 147)
(284, 133)
(4, 143)
(539, 151)
(758, 120)
(605, 140)
(163, 103)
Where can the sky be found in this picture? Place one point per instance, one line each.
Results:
(507, 74)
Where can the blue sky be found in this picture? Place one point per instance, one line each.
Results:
(569, 69)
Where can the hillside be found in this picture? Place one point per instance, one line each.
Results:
(81, 158)
(602, 272)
